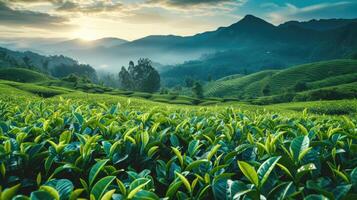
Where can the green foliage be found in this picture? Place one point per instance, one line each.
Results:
(197, 90)
(22, 75)
(300, 86)
(141, 77)
(300, 78)
(71, 78)
(75, 147)
(237, 86)
(344, 91)
(266, 90)
(65, 70)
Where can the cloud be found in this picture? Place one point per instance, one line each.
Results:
(26, 18)
(196, 4)
(342, 9)
(27, 1)
(89, 6)
(75, 6)
(188, 2)
(142, 17)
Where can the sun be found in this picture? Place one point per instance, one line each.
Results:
(85, 34)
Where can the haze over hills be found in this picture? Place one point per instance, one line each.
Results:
(79, 44)
(249, 45)
(56, 66)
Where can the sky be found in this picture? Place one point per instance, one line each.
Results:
(133, 19)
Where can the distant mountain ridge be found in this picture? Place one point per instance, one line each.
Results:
(78, 44)
(320, 25)
(251, 44)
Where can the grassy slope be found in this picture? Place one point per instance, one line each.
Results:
(11, 93)
(22, 75)
(235, 87)
(44, 86)
(316, 75)
(338, 92)
(310, 73)
(50, 88)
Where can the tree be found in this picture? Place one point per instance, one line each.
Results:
(27, 62)
(141, 77)
(300, 86)
(197, 90)
(164, 90)
(71, 78)
(81, 70)
(125, 80)
(189, 81)
(266, 90)
(45, 65)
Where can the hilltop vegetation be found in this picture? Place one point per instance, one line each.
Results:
(235, 87)
(56, 66)
(49, 87)
(308, 79)
(22, 75)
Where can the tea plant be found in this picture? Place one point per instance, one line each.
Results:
(70, 149)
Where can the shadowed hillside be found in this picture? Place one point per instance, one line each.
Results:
(22, 75)
(294, 79)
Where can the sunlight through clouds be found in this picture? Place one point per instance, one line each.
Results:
(132, 19)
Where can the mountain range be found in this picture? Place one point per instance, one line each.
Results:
(250, 45)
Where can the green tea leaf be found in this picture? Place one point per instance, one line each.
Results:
(184, 181)
(9, 193)
(52, 191)
(99, 188)
(266, 168)
(249, 172)
(95, 170)
(108, 195)
(299, 145)
(133, 192)
(213, 151)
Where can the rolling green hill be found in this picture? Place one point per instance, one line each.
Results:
(313, 76)
(235, 87)
(41, 85)
(22, 75)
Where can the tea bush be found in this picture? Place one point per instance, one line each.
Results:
(69, 149)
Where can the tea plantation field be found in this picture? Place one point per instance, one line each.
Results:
(95, 146)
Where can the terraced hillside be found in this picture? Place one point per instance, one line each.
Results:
(39, 84)
(313, 76)
(22, 75)
(235, 87)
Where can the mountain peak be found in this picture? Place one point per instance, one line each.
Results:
(251, 22)
(251, 18)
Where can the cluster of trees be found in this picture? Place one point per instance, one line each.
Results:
(64, 70)
(197, 90)
(76, 79)
(140, 77)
